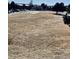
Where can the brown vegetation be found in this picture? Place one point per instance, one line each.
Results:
(40, 35)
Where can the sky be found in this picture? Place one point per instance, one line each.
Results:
(48, 2)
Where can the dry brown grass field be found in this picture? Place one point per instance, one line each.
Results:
(38, 35)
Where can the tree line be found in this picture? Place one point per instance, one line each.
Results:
(58, 7)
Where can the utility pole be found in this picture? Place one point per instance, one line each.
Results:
(31, 2)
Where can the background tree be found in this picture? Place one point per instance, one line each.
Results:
(68, 8)
(62, 7)
(13, 6)
(23, 6)
(58, 7)
(9, 6)
(30, 7)
(44, 6)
